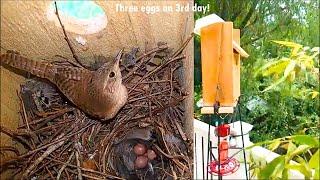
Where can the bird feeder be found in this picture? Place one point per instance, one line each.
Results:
(220, 60)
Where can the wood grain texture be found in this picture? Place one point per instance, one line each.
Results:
(25, 28)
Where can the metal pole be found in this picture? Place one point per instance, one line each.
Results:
(244, 152)
(219, 163)
(209, 147)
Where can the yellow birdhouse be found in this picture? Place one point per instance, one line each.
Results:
(220, 61)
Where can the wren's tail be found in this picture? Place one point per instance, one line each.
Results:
(37, 68)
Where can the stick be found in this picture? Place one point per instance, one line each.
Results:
(47, 145)
(24, 111)
(64, 166)
(16, 135)
(87, 176)
(49, 118)
(150, 53)
(67, 39)
(84, 169)
(168, 155)
(78, 164)
(155, 70)
(184, 44)
(44, 155)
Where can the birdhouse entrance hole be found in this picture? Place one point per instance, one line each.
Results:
(81, 17)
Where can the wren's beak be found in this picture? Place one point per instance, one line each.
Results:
(118, 57)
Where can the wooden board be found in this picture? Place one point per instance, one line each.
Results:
(26, 29)
(220, 65)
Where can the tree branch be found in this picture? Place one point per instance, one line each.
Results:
(249, 14)
(243, 31)
(261, 36)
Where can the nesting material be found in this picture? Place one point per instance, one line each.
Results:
(146, 139)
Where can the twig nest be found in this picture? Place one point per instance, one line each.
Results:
(151, 154)
(141, 162)
(140, 149)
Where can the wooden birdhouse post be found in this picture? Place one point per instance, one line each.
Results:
(220, 60)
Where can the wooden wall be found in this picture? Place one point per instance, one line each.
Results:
(26, 29)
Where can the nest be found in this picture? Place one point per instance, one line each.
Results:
(61, 142)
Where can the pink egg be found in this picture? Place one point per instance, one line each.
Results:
(141, 162)
(140, 149)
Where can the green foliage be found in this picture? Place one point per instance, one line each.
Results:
(279, 86)
(298, 66)
(288, 102)
(302, 154)
(261, 21)
(288, 85)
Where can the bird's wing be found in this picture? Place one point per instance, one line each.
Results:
(71, 73)
(70, 78)
(73, 83)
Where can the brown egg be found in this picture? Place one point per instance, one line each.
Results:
(140, 149)
(141, 162)
(151, 154)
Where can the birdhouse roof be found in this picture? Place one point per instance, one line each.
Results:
(238, 49)
(212, 19)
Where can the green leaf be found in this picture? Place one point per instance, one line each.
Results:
(316, 174)
(305, 139)
(274, 145)
(273, 169)
(287, 43)
(291, 148)
(276, 67)
(285, 173)
(295, 47)
(299, 159)
(301, 168)
(299, 150)
(306, 61)
(286, 73)
(292, 76)
(272, 86)
(314, 161)
(289, 68)
(314, 94)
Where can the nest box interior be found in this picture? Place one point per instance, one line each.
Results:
(31, 29)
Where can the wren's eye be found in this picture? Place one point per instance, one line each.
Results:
(112, 74)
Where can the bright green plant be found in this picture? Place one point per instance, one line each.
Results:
(301, 154)
(298, 71)
(287, 84)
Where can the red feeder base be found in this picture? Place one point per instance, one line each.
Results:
(227, 167)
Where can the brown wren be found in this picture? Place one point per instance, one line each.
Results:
(98, 93)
